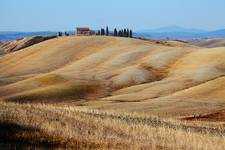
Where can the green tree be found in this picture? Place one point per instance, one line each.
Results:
(67, 34)
(128, 33)
(59, 33)
(131, 34)
(115, 33)
(102, 31)
(124, 33)
(98, 32)
(120, 33)
(107, 31)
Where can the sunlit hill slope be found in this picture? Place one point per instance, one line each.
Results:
(117, 73)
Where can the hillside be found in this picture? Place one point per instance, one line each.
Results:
(40, 126)
(19, 44)
(117, 73)
(112, 93)
(209, 43)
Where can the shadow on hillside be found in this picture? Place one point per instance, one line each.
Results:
(14, 136)
(19, 137)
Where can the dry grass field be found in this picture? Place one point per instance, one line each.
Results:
(113, 93)
(43, 126)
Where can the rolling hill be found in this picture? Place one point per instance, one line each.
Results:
(117, 73)
(112, 93)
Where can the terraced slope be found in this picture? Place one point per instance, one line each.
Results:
(117, 73)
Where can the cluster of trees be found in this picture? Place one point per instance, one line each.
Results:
(123, 33)
(120, 33)
(65, 33)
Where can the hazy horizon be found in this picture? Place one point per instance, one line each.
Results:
(144, 29)
(51, 15)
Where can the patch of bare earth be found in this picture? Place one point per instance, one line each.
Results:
(214, 117)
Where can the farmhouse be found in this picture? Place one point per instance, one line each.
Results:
(85, 31)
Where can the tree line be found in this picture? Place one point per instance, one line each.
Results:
(120, 33)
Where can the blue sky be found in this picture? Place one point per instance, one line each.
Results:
(40, 15)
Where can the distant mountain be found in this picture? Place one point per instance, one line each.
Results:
(11, 36)
(174, 32)
(170, 29)
(215, 34)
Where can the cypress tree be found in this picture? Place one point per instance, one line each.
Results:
(102, 31)
(124, 33)
(131, 34)
(115, 32)
(67, 34)
(128, 32)
(107, 31)
(120, 33)
(98, 33)
(59, 33)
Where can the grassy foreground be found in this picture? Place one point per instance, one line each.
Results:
(44, 126)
